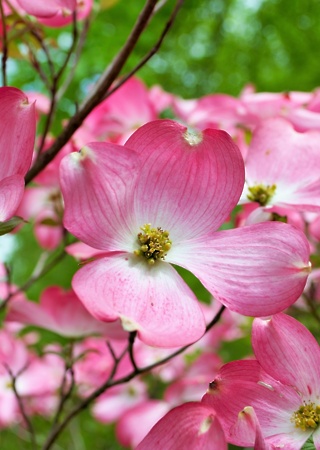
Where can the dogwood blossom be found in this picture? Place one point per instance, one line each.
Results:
(282, 385)
(158, 200)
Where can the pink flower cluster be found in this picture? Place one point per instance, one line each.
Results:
(209, 193)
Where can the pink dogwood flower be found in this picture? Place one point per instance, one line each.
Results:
(156, 201)
(17, 135)
(282, 385)
(282, 167)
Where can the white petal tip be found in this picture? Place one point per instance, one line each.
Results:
(193, 137)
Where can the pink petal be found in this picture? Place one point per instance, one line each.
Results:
(316, 438)
(188, 183)
(292, 441)
(48, 8)
(248, 425)
(256, 270)
(11, 193)
(79, 250)
(97, 185)
(243, 383)
(192, 426)
(135, 423)
(288, 352)
(17, 132)
(62, 312)
(155, 301)
(296, 176)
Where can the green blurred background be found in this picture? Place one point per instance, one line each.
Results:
(214, 46)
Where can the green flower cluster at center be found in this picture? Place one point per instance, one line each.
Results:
(261, 194)
(154, 243)
(307, 416)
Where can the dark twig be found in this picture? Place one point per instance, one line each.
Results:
(110, 383)
(39, 274)
(21, 406)
(76, 57)
(132, 337)
(149, 55)
(4, 46)
(54, 86)
(65, 394)
(96, 96)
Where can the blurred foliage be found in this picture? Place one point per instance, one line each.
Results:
(214, 46)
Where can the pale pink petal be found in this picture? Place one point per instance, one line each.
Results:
(134, 424)
(192, 426)
(155, 301)
(79, 250)
(256, 270)
(282, 156)
(62, 312)
(304, 119)
(188, 183)
(288, 352)
(289, 441)
(11, 193)
(48, 8)
(97, 185)
(17, 132)
(115, 402)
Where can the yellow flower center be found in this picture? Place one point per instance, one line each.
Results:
(154, 243)
(307, 416)
(261, 194)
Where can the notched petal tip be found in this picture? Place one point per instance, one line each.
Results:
(206, 424)
(128, 324)
(83, 154)
(193, 137)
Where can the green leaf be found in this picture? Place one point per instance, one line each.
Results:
(309, 445)
(9, 225)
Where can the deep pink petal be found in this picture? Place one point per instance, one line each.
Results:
(188, 183)
(97, 185)
(11, 193)
(256, 270)
(243, 383)
(248, 425)
(192, 426)
(288, 352)
(155, 301)
(17, 132)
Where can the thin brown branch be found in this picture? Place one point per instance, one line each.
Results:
(34, 278)
(4, 46)
(132, 337)
(21, 406)
(76, 57)
(149, 55)
(54, 86)
(110, 383)
(97, 95)
(65, 394)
